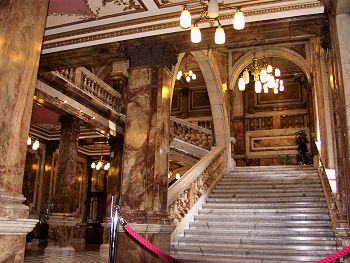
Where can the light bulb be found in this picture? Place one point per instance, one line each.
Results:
(238, 20)
(281, 88)
(213, 8)
(281, 82)
(275, 91)
(241, 84)
(188, 78)
(194, 76)
(265, 88)
(99, 163)
(36, 145)
(269, 68)
(277, 72)
(219, 35)
(263, 75)
(258, 86)
(246, 76)
(179, 73)
(93, 165)
(178, 76)
(106, 167)
(196, 36)
(190, 72)
(98, 167)
(185, 18)
(29, 141)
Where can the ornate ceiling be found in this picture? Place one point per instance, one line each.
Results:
(82, 23)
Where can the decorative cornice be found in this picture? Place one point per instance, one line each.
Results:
(17, 227)
(161, 26)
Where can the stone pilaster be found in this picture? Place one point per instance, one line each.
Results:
(63, 222)
(146, 148)
(21, 32)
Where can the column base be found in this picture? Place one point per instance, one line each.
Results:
(61, 234)
(104, 248)
(129, 250)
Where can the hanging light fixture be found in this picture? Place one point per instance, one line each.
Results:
(265, 77)
(187, 74)
(36, 143)
(101, 164)
(210, 13)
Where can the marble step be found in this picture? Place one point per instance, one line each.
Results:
(266, 201)
(267, 211)
(189, 257)
(268, 187)
(274, 233)
(281, 190)
(261, 224)
(270, 250)
(275, 167)
(210, 205)
(262, 217)
(257, 183)
(266, 195)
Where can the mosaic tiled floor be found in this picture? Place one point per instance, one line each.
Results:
(86, 256)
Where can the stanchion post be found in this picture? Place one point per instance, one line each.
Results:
(114, 235)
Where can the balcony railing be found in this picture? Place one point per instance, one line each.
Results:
(92, 86)
(191, 133)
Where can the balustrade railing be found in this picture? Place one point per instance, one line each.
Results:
(90, 84)
(196, 182)
(332, 205)
(191, 133)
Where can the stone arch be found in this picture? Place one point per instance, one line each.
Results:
(211, 75)
(279, 52)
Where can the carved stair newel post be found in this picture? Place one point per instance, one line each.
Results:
(146, 150)
(63, 221)
(113, 187)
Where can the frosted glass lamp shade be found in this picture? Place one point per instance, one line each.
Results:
(196, 36)
(246, 76)
(241, 84)
(219, 36)
(194, 76)
(258, 86)
(277, 72)
(213, 8)
(263, 75)
(238, 20)
(185, 18)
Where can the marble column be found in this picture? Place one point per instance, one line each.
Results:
(113, 187)
(21, 31)
(64, 219)
(146, 151)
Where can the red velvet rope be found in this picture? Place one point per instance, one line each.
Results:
(335, 256)
(150, 246)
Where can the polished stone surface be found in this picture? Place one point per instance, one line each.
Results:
(146, 147)
(21, 33)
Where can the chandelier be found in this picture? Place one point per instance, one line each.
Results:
(98, 164)
(187, 74)
(35, 145)
(265, 77)
(210, 13)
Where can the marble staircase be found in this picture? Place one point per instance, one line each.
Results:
(261, 214)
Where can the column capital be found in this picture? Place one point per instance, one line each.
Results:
(69, 122)
(152, 54)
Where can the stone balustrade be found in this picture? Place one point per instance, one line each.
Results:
(331, 200)
(196, 182)
(191, 133)
(93, 86)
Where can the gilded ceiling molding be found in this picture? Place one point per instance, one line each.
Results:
(150, 28)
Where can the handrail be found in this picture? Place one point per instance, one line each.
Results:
(198, 170)
(332, 207)
(192, 126)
